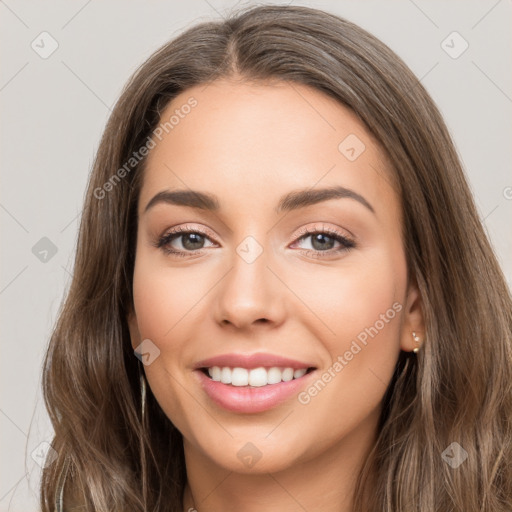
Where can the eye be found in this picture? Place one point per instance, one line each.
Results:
(323, 240)
(191, 241)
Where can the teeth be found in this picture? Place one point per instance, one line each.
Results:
(215, 373)
(239, 376)
(288, 374)
(255, 377)
(225, 376)
(299, 373)
(274, 376)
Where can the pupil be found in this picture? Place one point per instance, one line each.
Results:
(192, 236)
(318, 237)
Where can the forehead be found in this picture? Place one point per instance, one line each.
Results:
(255, 141)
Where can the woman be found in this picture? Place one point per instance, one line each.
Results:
(283, 297)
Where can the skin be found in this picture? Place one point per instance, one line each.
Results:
(249, 144)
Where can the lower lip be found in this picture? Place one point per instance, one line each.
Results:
(251, 399)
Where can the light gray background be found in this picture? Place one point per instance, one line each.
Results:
(54, 111)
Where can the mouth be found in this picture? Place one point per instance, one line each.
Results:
(253, 390)
(254, 377)
(253, 383)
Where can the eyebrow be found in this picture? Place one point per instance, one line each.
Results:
(292, 201)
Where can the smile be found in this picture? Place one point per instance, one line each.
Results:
(254, 377)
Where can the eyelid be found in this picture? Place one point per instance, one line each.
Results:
(343, 232)
(186, 228)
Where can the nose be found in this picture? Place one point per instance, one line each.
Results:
(250, 294)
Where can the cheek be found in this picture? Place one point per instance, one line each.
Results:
(366, 294)
(163, 297)
(363, 307)
(164, 303)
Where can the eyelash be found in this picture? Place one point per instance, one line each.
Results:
(164, 241)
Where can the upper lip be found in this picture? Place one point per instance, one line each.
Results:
(251, 361)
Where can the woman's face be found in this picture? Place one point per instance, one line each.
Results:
(269, 266)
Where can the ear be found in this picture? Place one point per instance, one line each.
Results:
(134, 329)
(413, 320)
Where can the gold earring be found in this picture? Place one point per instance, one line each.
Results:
(416, 338)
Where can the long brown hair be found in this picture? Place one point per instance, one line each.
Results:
(456, 390)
